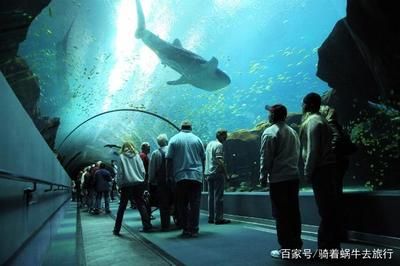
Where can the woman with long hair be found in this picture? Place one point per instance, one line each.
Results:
(130, 180)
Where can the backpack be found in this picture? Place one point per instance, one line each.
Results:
(341, 141)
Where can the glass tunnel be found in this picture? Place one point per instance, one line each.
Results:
(78, 78)
(87, 61)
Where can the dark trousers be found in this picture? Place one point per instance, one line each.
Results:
(164, 195)
(188, 193)
(106, 196)
(132, 193)
(285, 209)
(215, 197)
(91, 198)
(326, 192)
(342, 164)
(113, 190)
(78, 195)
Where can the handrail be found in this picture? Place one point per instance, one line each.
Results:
(11, 176)
(28, 191)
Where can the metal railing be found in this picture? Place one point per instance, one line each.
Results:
(29, 190)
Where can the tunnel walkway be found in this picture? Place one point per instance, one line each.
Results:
(245, 241)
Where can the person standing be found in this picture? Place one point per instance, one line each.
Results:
(185, 160)
(149, 190)
(102, 179)
(216, 174)
(131, 182)
(279, 158)
(158, 179)
(114, 176)
(145, 150)
(319, 168)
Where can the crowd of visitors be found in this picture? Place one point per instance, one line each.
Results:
(170, 178)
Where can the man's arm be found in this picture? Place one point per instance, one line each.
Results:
(313, 149)
(219, 156)
(153, 166)
(266, 155)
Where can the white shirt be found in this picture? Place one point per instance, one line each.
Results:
(214, 152)
(280, 153)
(186, 151)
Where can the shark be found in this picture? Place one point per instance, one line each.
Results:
(194, 69)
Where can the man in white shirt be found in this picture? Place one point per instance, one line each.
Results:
(215, 173)
(185, 161)
(280, 152)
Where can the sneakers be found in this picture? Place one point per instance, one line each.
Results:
(116, 233)
(223, 221)
(276, 254)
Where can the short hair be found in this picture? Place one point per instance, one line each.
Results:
(220, 132)
(144, 145)
(162, 140)
(278, 111)
(313, 101)
(186, 125)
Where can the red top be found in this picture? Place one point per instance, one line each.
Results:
(145, 160)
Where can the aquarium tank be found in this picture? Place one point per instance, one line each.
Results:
(109, 71)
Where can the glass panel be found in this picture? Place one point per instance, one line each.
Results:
(88, 61)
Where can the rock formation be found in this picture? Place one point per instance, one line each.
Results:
(16, 17)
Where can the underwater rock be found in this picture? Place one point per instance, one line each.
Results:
(48, 127)
(342, 66)
(24, 84)
(376, 30)
(360, 58)
(16, 17)
(242, 154)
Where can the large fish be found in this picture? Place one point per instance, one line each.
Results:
(194, 69)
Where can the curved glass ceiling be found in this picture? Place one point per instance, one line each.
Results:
(88, 61)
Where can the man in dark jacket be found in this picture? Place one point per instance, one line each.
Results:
(102, 186)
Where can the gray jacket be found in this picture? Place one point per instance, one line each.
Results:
(130, 171)
(280, 153)
(316, 142)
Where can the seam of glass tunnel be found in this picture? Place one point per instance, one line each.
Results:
(108, 145)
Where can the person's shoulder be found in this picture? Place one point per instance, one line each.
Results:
(174, 138)
(271, 130)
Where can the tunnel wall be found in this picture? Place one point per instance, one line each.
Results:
(24, 152)
(369, 213)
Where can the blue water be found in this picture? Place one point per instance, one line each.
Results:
(267, 47)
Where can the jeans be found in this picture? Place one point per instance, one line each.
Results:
(215, 197)
(327, 196)
(132, 193)
(91, 196)
(188, 194)
(106, 195)
(285, 209)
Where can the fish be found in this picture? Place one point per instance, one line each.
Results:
(194, 69)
